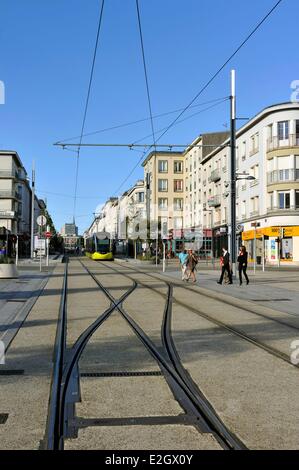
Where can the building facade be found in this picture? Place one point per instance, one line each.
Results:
(164, 194)
(267, 206)
(15, 202)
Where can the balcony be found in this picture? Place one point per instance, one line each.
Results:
(8, 194)
(281, 176)
(7, 214)
(214, 201)
(279, 210)
(253, 151)
(253, 182)
(8, 174)
(254, 213)
(276, 143)
(215, 175)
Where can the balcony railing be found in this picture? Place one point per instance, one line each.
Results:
(9, 194)
(280, 176)
(253, 151)
(8, 174)
(214, 201)
(254, 213)
(253, 182)
(215, 175)
(7, 214)
(281, 209)
(276, 143)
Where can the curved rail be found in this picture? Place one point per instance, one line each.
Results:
(193, 400)
(274, 352)
(62, 370)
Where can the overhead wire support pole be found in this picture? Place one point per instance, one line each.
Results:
(32, 210)
(233, 170)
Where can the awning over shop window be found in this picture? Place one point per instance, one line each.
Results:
(292, 231)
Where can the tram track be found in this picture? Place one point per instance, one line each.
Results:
(61, 414)
(238, 332)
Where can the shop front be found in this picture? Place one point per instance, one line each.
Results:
(276, 244)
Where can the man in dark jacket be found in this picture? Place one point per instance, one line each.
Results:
(225, 267)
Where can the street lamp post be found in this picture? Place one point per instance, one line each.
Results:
(233, 169)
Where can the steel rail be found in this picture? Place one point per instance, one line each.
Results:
(62, 370)
(198, 404)
(50, 442)
(210, 295)
(274, 352)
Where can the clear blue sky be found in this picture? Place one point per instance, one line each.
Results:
(45, 57)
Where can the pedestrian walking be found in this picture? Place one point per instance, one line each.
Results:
(191, 265)
(225, 267)
(242, 260)
(183, 259)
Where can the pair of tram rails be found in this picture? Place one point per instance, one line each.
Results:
(65, 388)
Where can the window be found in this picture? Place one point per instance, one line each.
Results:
(163, 203)
(297, 199)
(178, 204)
(178, 222)
(140, 197)
(284, 200)
(283, 130)
(162, 185)
(254, 143)
(178, 185)
(162, 166)
(178, 167)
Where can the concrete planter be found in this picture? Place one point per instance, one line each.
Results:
(8, 271)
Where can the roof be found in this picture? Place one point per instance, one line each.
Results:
(287, 106)
(162, 153)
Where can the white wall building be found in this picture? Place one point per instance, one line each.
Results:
(268, 150)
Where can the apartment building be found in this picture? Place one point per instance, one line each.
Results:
(15, 200)
(267, 207)
(164, 180)
(198, 215)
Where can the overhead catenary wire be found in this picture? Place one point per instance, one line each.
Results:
(145, 71)
(138, 121)
(87, 102)
(221, 68)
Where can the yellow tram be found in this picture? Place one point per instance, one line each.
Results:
(100, 247)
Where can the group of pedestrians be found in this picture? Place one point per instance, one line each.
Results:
(188, 261)
(242, 261)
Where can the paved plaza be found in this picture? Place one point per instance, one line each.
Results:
(233, 341)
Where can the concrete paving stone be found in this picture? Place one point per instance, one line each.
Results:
(142, 438)
(85, 302)
(26, 397)
(253, 392)
(267, 331)
(126, 396)
(114, 347)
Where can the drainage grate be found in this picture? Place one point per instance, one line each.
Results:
(269, 300)
(12, 372)
(136, 421)
(3, 418)
(122, 374)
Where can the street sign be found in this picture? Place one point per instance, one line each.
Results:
(48, 234)
(41, 220)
